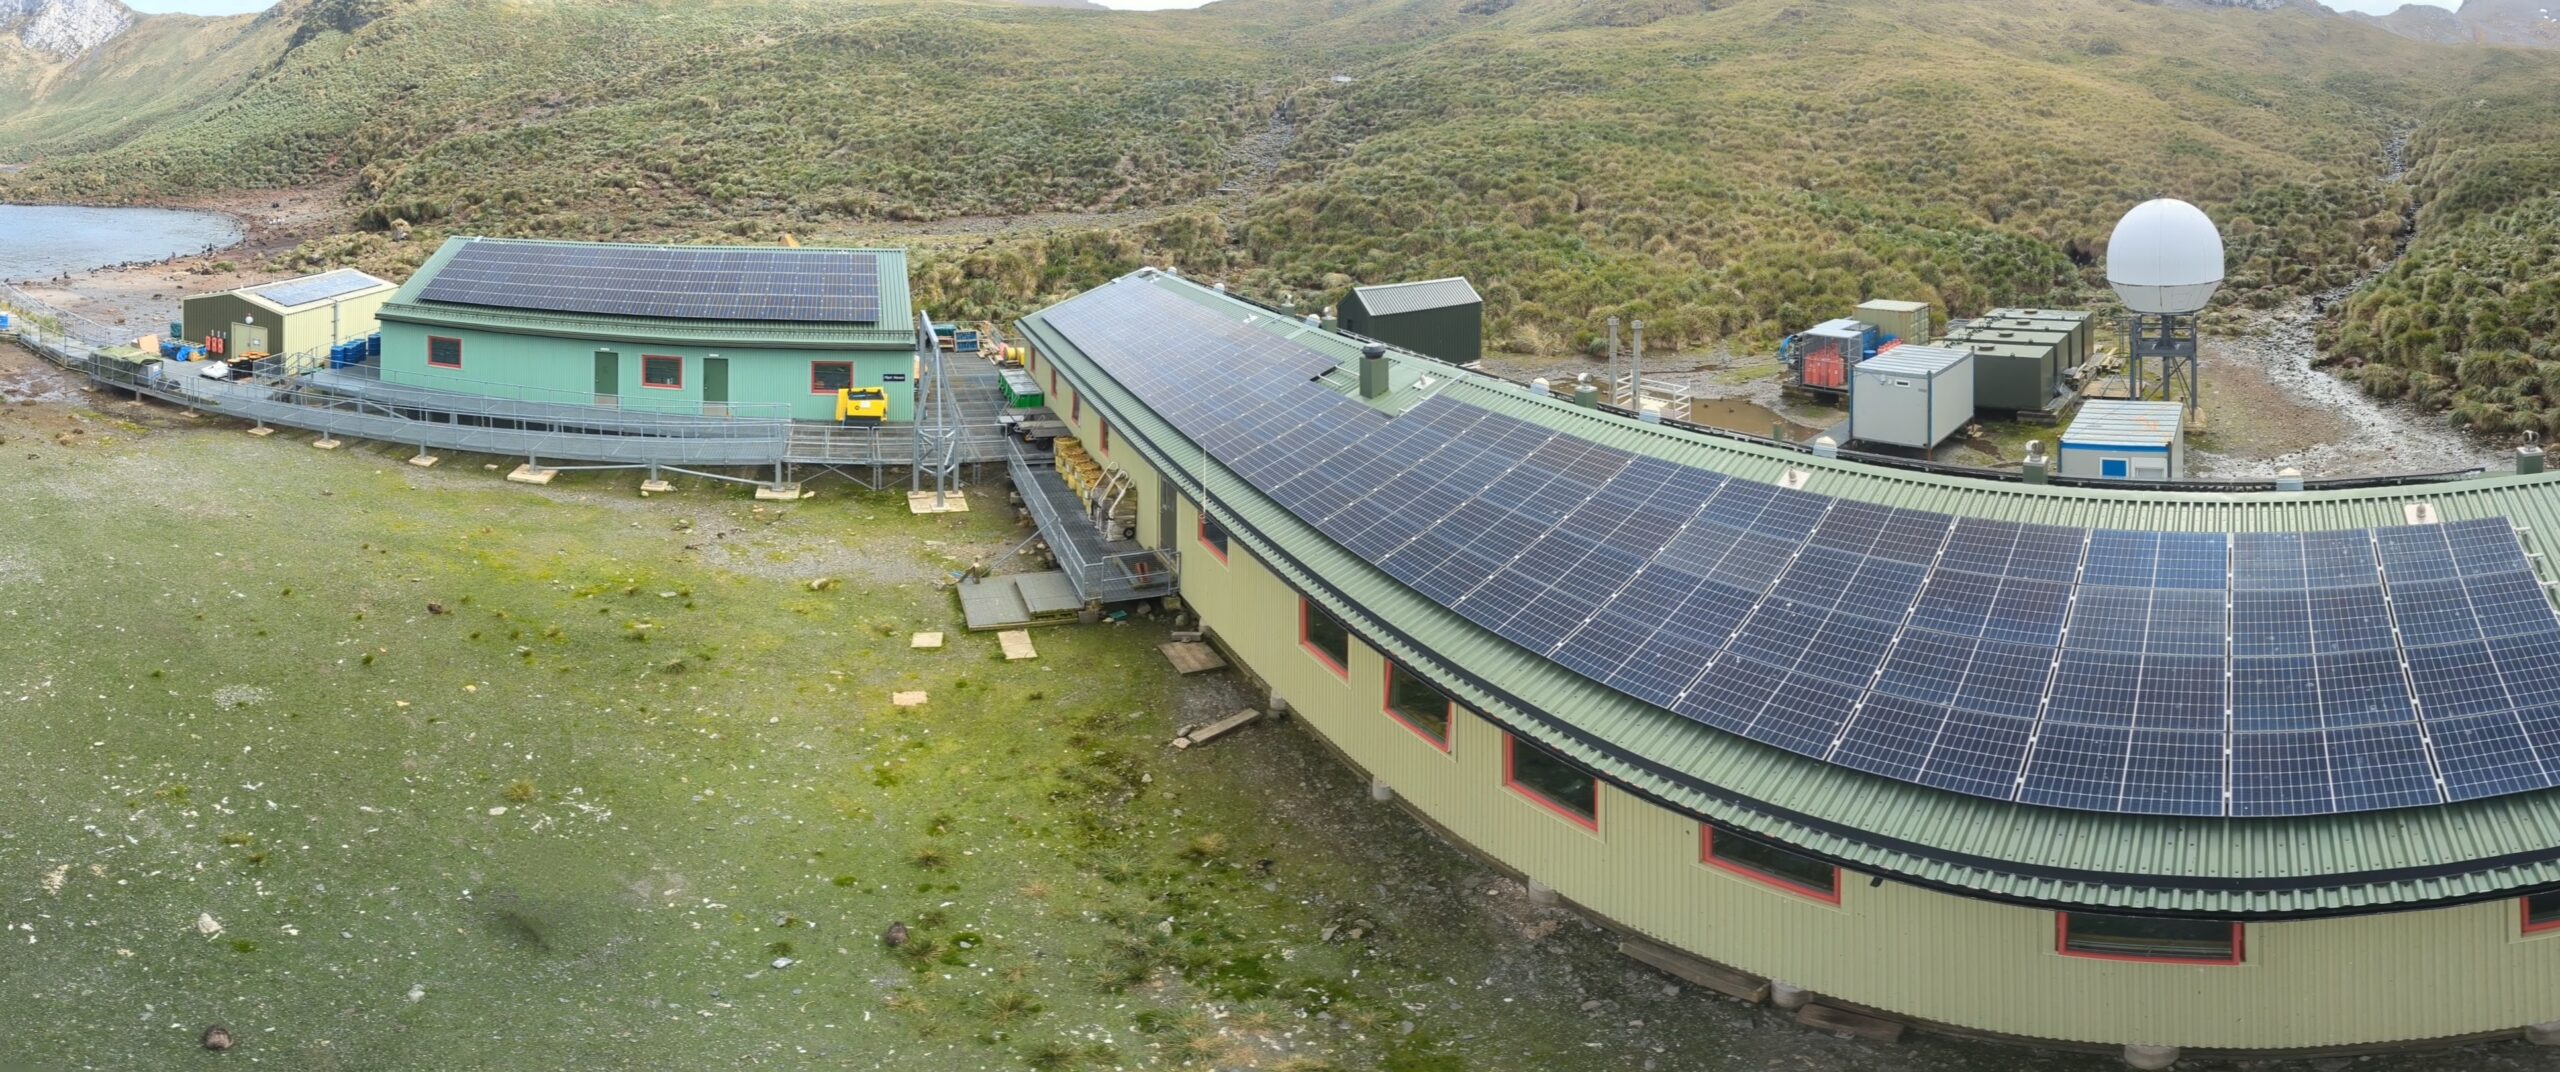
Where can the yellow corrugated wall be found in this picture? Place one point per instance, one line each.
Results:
(1914, 952)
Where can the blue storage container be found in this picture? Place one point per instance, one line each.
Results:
(373, 345)
(4, 321)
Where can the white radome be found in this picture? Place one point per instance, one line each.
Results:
(2165, 257)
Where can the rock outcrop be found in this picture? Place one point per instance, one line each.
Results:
(65, 28)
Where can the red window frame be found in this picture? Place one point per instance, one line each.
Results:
(432, 340)
(1739, 869)
(1105, 422)
(2062, 945)
(1448, 715)
(1053, 379)
(1322, 656)
(1510, 745)
(1077, 412)
(1200, 532)
(644, 372)
(2524, 916)
(814, 366)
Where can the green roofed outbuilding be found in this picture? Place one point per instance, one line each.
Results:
(1437, 318)
(721, 330)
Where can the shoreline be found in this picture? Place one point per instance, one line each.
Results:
(141, 299)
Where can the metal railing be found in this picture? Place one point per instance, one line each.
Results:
(1102, 568)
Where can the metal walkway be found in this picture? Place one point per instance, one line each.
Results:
(355, 403)
(1103, 567)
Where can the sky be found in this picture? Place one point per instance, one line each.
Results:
(234, 7)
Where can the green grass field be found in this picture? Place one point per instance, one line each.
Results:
(638, 798)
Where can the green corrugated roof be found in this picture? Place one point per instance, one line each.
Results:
(1388, 299)
(895, 330)
(2214, 866)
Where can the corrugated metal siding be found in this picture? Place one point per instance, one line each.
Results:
(1928, 836)
(1916, 952)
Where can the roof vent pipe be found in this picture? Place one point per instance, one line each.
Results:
(1584, 394)
(1315, 321)
(2036, 467)
(1219, 286)
(2529, 456)
(1826, 447)
(1373, 371)
(1541, 388)
(2288, 479)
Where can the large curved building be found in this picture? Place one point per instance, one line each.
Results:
(2215, 771)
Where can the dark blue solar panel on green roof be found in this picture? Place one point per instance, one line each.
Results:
(2173, 673)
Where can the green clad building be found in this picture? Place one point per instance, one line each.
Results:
(759, 331)
(2199, 772)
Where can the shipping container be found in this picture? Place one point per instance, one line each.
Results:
(1911, 396)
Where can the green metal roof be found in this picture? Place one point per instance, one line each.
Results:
(2367, 861)
(1389, 299)
(894, 331)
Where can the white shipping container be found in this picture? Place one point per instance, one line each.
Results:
(1911, 396)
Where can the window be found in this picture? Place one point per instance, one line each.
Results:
(1077, 413)
(2175, 941)
(829, 377)
(1325, 638)
(1420, 707)
(665, 373)
(443, 352)
(1053, 381)
(2112, 468)
(1213, 536)
(1768, 864)
(2542, 912)
(1105, 422)
(1550, 782)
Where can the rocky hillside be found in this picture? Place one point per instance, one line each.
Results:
(66, 29)
(2516, 23)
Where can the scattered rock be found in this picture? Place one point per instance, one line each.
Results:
(435, 608)
(207, 925)
(895, 936)
(216, 1038)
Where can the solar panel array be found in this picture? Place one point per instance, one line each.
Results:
(293, 293)
(2171, 673)
(804, 285)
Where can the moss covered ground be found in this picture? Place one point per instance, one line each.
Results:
(471, 775)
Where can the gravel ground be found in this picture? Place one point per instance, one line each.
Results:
(2267, 407)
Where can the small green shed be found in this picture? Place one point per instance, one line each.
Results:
(1437, 318)
(720, 330)
(299, 317)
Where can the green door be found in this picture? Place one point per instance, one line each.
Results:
(715, 386)
(608, 378)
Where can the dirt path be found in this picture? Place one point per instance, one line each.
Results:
(2270, 406)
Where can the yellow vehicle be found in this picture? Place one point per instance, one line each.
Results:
(862, 405)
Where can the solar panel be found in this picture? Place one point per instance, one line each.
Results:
(2170, 673)
(826, 286)
(294, 293)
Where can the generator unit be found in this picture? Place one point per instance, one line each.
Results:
(1820, 357)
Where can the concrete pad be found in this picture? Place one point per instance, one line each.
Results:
(1017, 645)
(425, 461)
(325, 443)
(921, 502)
(262, 433)
(778, 492)
(655, 487)
(925, 641)
(908, 699)
(526, 474)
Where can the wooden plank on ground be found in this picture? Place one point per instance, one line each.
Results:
(1191, 657)
(1856, 1024)
(925, 641)
(1017, 645)
(1215, 730)
(1716, 977)
(907, 699)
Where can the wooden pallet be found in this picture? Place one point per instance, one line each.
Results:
(1191, 657)
(1857, 1024)
(1716, 977)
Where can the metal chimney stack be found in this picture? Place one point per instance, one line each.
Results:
(1373, 371)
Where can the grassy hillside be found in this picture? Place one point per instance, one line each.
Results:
(2470, 320)
(1727, 170)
